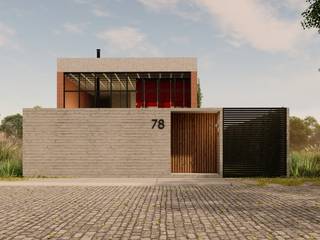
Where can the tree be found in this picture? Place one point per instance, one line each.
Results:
(304, 132)
(37, 107)
(199, 95)
(313, 129)
(298, 134)
(12, 126)
(316, 136)
(311, 16)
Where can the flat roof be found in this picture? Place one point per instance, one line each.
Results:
(174, 64)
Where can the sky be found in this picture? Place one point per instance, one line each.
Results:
(250, 52)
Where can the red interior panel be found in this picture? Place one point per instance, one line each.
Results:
(176, 94)
(164, 93)
(151, 93)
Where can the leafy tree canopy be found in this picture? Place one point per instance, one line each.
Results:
(12, 126)
(311, 16)
(304, 132)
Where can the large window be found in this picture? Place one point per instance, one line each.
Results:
(127, 90)
(164, 90)
(105, 90)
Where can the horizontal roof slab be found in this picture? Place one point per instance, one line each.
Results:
(127, 64)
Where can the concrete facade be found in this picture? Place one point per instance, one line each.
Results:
(95, 143)
(100, 142)
(182, 64)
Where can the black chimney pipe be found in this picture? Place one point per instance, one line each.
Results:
(98, 53)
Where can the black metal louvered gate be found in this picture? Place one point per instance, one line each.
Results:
(254, 142)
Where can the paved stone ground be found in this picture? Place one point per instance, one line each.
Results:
(216, 211)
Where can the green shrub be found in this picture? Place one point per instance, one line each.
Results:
(11, 168)
(9, 149)
(305, 164)
(10, 158)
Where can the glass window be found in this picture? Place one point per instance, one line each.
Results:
(140, 93)
(117, 90)
(105, 99)
(71, 82)
(131, 82)
(87, 99)
(179, 93)
(132, 99)
(104, 85)
(151, 92)
(87, 83)
(164, 93)
(119, 82)
(71, 99)
(124, 99)
(116, 99)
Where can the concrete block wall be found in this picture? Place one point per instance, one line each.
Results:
(96, 143)
(175, 64)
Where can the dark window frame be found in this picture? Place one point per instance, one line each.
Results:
(172, 89)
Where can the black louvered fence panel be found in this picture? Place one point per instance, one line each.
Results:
(254, 142)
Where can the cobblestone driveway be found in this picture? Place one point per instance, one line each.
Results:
(222, 211)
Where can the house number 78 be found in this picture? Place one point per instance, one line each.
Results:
(159, 123)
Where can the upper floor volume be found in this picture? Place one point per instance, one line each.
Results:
(126, 82)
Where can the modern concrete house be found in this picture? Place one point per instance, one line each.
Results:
(139, 117)
(127, 83)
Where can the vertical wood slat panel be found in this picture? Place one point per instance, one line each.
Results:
(207, 141)
(193, 142)
(212, 143)
(188, 144)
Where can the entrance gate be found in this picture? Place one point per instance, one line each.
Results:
(193, 142)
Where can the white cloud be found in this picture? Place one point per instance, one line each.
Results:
(73, 28)
(251, 22)
(100, 12)
(254, 22)
(95, 8)
(171, 5)
(128, 39)
(123, 38)
(159, 4)
(6, 34)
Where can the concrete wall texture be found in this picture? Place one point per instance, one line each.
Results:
(182, 64)
(96, 143)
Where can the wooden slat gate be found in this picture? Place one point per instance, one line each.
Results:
(193, 142)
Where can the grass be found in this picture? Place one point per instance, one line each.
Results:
(304, 168)
(305, 164)
(10, 158)
(291, 181)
